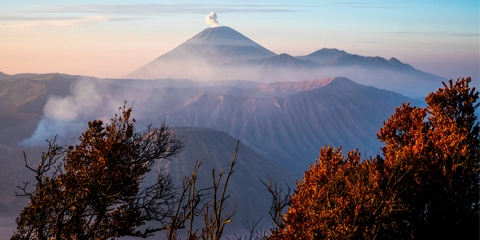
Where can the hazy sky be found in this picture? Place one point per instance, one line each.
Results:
(113, 38)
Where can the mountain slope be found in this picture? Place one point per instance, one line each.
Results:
(289, 130)
(390, 74)
(3, 76)
(283, 60)
(22, 101)
(245, 187)
(275, 89)
(287, 88)
(13, 173)
(195, 57)
(218, 45)
(282, 67)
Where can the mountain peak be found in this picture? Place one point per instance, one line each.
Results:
(325, 56)
(218, 33)
(3, 75)
(221, 39)
(334, 81)
(324, 51)
(341, 80)
(395, 61)
(288, 88)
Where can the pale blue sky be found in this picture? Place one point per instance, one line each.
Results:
(113, 38)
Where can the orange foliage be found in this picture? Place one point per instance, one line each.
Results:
(439, 158)
(425, 186)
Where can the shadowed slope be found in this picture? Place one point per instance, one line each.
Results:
(289, 130)
(245, 188)
(22, 101)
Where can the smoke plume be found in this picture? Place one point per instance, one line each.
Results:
(89, 99)
(212, 19)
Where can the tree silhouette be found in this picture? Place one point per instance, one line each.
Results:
(93, 190)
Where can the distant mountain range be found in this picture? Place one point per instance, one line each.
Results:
(285, 122)
(338, 58)
(221, 53)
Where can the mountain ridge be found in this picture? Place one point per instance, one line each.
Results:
(293, 127)
(336, 57)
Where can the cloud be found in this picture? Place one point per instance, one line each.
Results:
(451, 34)
(23, 18)
(167, 9)
(364, 4)
(19, 22)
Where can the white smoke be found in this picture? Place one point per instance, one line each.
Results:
(212, 19)
(89, 99)
(67, 116)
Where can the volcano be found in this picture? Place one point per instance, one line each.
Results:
(195, 58)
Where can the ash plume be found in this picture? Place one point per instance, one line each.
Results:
(212, 19)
